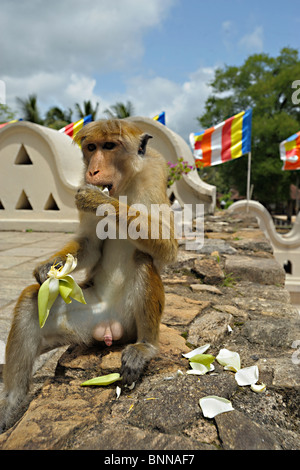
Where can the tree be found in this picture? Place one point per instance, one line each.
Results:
(57, 118)
(87, 109)
(6, 114)
(120, 110)
(264, 84)
(30, 110)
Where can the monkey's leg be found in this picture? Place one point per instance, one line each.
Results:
(22, 348)
(136, 356)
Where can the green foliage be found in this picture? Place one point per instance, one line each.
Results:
(30, 111)
(87, 109)
(227, 198)
(57, 119)
(229, 280)
(6, 114)
(120, 110)
(177, 170)
(264, 84)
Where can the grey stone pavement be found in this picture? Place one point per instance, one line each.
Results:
(20, 252)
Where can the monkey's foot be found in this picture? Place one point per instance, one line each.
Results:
(108, 332)
(135, 357)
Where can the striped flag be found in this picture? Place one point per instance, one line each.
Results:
(226, 141)
(160, 118)
(290, 152)
(72, 129)
(10, 122)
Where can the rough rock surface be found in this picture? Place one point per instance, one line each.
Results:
(230, 294)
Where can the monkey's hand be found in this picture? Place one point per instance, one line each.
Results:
(41, 271)
(89, 197)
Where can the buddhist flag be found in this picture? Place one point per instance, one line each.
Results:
(161, 118)
(10, 122)
(226, 141)
(72, 129)
(290, 152)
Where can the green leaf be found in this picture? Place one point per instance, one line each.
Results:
(46, 298)
(65, 290)
(102, 380)
(76, 292)
(205, 359)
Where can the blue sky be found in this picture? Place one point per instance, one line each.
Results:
(159, 54)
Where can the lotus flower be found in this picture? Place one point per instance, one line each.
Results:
(59, 282)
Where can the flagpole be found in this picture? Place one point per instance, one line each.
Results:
(297, 194)
(248, 180)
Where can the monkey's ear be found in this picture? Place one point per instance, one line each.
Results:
(143, 143)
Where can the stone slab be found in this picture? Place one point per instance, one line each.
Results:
(255, 269)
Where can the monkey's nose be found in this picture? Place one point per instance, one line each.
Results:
(93, 173)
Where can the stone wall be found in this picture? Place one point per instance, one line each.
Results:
(230, 294)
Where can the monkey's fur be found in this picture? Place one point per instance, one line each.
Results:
(125, 295)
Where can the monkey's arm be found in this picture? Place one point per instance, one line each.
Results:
(163, 250)
(75, 247)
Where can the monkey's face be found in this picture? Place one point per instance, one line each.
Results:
(103, 167)
(113, 153)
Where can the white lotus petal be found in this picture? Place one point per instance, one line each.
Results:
(258, 388)
(247, 376)
(229, 359)
(118, 391)
(212, 406)
(196, 372)
(229, 329)
(201, 368)
(179, 372)
(200, 350)
(198, 369)
(69, 266)
(2, 352)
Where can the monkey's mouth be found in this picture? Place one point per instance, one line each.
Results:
(106, 188)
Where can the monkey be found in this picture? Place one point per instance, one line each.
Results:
(124, 292)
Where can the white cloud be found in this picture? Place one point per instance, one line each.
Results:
(253, 42)
(183, 103)
(229, 32)
(61, 89)
(71, 35)
(56, 49)
(44, 45)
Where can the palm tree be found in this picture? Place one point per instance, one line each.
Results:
(87, 109)
(120, 110)
(56, 118)
(6, 114)
(30, 110)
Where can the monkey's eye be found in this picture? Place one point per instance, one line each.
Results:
(109, 145)
(91, 147)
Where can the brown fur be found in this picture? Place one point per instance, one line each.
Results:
(116, 155)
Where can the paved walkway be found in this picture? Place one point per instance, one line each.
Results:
(20, 252)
